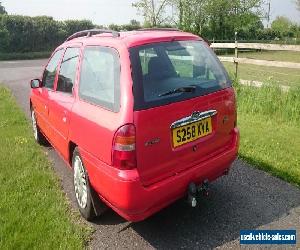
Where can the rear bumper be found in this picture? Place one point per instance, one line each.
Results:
(124, 193)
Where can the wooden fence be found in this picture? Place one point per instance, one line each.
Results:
(257, 46)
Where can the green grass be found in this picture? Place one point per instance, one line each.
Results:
(269, 120)
(270, 101)
(271, 146)
(279, 76)
(34, 213)
(24, 56)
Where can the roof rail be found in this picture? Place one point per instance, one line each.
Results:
(89, 33)
(159, 29)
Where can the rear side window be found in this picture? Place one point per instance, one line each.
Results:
(188, 67)
(67, 73)
(51, 69)
(100, 77)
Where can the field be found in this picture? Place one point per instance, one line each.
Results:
(281, 76)
(34, 211)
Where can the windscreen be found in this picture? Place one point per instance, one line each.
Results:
(169, 72)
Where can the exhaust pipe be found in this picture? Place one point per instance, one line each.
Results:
(195, 191)
(192, 195)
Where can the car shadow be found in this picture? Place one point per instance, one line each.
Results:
(246, 199)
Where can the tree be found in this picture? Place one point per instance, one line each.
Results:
(134, 22)
(230, 16)
(219, 18)
(192, 15)
(153, 11)
(41, 33)
(2, 9)
(73, 26)
(4, 37)
(281, 25)
(295, 29)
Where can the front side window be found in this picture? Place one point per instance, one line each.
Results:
(100, 77)
(67, 73)
(51, 69)
(174, 71)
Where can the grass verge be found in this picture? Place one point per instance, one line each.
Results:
(269, 121)
(34, 212)
(24, 56)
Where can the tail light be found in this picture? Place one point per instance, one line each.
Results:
(124, 154)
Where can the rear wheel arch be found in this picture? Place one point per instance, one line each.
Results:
(38, 135)
(30, 104)
(72, 147)
(95, 206)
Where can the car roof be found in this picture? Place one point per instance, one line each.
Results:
(135, 38)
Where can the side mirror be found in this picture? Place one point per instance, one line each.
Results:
(35, 83)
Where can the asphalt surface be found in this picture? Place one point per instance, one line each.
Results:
(245, 199)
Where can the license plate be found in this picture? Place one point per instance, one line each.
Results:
(191, 132)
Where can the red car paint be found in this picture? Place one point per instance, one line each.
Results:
(156, 174)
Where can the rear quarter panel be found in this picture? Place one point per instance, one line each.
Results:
(93, 127)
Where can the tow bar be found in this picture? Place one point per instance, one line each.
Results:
(195, 191)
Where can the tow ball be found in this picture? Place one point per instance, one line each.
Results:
(195, 191)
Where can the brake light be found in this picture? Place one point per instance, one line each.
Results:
(124, 154)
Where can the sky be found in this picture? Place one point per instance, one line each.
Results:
(110, 11)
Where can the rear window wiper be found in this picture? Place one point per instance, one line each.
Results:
(188, 89)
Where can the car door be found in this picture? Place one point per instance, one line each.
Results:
(41, 98)
(62, 99)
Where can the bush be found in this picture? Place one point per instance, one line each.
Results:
(4, 39)
(73, 26)
(24, 34)
(21, 34)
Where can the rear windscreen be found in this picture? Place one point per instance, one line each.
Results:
(169, 72)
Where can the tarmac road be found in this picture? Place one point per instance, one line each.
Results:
(245, 199)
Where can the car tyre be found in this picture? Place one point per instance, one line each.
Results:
(88, 202)
(38, 135)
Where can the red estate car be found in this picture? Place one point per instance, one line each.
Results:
(143, 118)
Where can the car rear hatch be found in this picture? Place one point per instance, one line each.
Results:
(184, 107)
